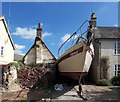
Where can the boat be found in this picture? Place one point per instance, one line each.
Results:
(76, 60)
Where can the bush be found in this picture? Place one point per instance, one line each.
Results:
(116, 80)
(33, 64)
(103, 82)
(20, 66)
(104, 61)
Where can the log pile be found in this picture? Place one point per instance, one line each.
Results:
(30, 77)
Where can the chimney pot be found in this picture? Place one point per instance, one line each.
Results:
(93, 21)
(93, 15)
(39, 25)
(39, 31)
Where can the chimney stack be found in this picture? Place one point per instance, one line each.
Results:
(93, 20)
(39, 31)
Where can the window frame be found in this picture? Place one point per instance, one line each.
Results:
(116, 48)
(2, 51)
(116, 69)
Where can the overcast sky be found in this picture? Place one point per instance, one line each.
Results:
(59, 20)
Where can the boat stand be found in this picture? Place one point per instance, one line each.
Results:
(80, 92)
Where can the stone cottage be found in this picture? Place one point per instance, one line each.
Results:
(39, 53)
(107, 45)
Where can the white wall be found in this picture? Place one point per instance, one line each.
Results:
(107, 49)
(8, 54)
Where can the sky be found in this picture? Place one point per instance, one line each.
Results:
(59, 20)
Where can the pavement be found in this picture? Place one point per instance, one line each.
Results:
(70, 95)
(91, 92)
(101, 93)
(0, 96)
(0, 93)
(67, 94)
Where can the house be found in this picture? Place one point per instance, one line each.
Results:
(6, 43)
(6, 46)
(107, 45)
(39, 53)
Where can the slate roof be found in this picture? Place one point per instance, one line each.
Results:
(18, 57)
(107, 33)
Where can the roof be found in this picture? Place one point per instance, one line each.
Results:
(8, 32)
(38, 38)
(107, 33)
(18, 57)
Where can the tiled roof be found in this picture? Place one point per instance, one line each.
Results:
(107, 33)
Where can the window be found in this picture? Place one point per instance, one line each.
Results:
(117, 69)
(117, 48)
(1, 51)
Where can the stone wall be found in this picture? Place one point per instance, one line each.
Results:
(39, 53)
(39, 50)
(30, 57)
(47, 57)
(10, 79)
(94, 72)
(37, 77)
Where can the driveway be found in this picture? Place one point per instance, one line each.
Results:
(91, 92)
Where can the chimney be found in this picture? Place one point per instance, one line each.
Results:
(39, 31)
(93, 20)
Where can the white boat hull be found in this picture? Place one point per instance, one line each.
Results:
(76, 60)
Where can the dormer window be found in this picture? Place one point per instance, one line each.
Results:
(2, 48)
(117, 48)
